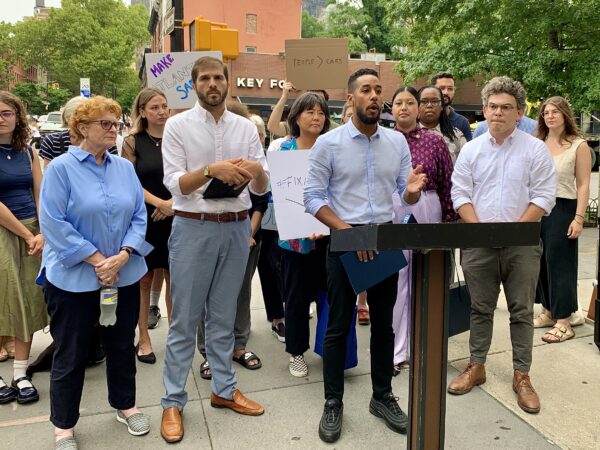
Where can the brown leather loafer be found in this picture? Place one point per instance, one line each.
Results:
(527, 398)
(239, 404)
(473, 375)
(171, 426)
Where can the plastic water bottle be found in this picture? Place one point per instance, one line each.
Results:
(109, 297)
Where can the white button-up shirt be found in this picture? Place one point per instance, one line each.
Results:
(192, 140)
(500, 181)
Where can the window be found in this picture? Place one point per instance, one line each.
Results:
(250, 49)
(251, 20)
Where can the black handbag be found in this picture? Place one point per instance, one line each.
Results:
(459, 319)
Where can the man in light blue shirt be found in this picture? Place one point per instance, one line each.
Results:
(504, 175)
(353, 172)
(525, 124)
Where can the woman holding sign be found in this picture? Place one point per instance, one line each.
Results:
(430, 151)
(303, 260)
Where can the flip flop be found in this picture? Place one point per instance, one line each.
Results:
(560, 333)
(205, 372)
(245, 358)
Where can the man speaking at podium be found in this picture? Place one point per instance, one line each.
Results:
(504, 175)
(353, 172)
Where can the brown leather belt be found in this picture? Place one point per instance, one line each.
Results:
(214, 217)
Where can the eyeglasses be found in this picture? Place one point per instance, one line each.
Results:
(551, 113)
(504, 108)
(108, 124)
(431, 102)
(7, 115)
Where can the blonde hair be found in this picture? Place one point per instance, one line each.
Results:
(141, 123)
(260, 125)
(91, 110)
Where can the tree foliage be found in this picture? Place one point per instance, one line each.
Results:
(93, 39)
(552, 46)
(311, 26)
(8, 56)
(36, 96)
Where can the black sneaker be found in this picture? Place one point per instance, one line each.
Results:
(153, 317)
(330, 427)
(388, 409)
(279, 331)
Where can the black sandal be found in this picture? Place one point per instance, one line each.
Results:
(205, 372)
(245, 358)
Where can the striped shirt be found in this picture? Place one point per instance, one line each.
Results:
(56, 144)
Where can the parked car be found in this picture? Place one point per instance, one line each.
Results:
(52, 124)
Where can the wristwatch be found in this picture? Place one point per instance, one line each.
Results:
(127, 249)
(207, 171)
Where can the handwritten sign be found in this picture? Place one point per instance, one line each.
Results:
(317, 63)
(172, 74)
(288, 171)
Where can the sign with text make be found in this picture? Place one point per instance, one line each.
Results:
(317, 63)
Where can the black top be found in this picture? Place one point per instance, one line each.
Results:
(149, 165)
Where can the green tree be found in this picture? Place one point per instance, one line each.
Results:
(40, 98)
(552, 46)
(94, 39)
(7, 55)
(311, 27)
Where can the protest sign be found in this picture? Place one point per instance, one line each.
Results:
(317, 63)
(172, 74)
(288, 171)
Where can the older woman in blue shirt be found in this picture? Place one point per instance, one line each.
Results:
(94, 220)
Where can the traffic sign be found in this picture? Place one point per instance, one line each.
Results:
(84, 87)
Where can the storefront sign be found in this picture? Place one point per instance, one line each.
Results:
(244, 82)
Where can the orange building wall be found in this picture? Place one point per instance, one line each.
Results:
(273, 26)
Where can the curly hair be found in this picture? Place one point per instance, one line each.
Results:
(504, 85)
(90, 110)
(22, 132)
(306, 101)
(571, 130)
(141, 123)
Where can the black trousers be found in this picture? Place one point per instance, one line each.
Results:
(303, 276)
(72, 316)
(269, 272)
(341, 298)
(557, 285)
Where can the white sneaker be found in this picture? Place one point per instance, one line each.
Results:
(576, 319)
(297, 366)
(311, 312)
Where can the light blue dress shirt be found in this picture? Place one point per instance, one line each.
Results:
(87, 207)
(525, 124)
(355, 176)
(501, 180)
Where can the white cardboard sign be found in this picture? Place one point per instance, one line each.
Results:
(288, 171)
(172, 74)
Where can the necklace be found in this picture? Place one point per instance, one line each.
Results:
(156, 141)
(6, 152)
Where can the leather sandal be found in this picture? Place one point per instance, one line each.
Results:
(543, 321)
(205, 372)
(363, 316)
(559, 333)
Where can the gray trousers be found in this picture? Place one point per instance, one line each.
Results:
(207, 262)
(242, 317)
(517, 268)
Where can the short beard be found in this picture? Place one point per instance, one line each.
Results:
(448, 100)
(206, 101)
(366, 119)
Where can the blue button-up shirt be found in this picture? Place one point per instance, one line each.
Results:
(525, 124)
(355, 176)
(88, 207)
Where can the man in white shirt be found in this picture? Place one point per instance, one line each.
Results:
(209, 243)
(504, 175)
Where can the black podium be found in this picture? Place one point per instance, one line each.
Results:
(431, 265)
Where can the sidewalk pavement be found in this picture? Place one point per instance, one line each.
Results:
(565, 376)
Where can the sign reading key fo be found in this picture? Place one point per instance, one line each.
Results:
(317, 63)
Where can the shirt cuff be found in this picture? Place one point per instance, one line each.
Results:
(460, 202)
(138, 244)
(543, 203)
(76, 255)
(173, 183)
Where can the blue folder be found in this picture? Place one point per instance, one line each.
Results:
(364, 275)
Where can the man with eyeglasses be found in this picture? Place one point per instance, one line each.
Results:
(444, 81)
(504, 175)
